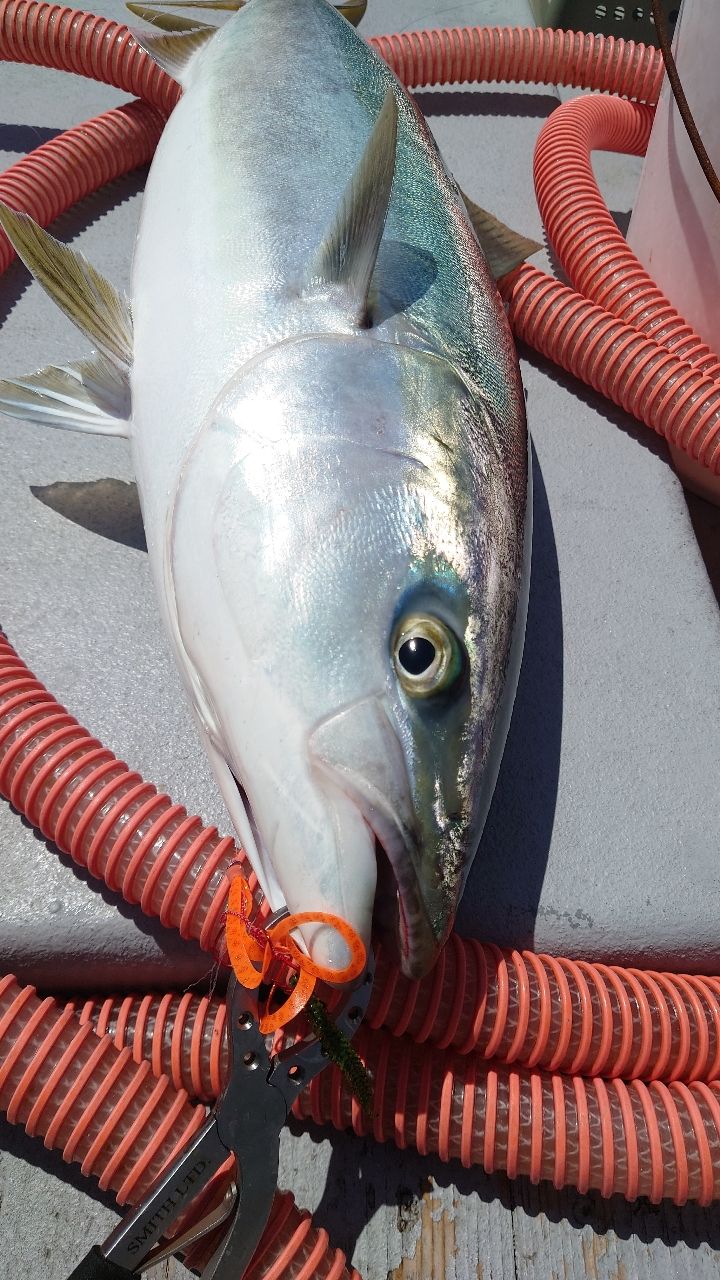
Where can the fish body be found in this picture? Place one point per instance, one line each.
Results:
(333, 474)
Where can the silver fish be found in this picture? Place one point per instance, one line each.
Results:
(328, 431)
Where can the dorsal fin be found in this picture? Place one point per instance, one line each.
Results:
(347, 256)
(168, 21)
(86, 297)
(504, 248)
(173, 50)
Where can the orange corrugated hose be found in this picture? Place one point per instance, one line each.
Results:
(560, 1014)
(122, 1123)
(634, 1136)
(591, 1074)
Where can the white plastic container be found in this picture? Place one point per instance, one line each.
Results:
(675, 225)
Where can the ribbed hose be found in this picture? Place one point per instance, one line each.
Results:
(560, 1014)
(72, 40)
(524, 55)
(54, 35)
(516, 1007)
(657, 1140)
(62, 1082)
(642, 377)
(291, 1247)
(64, 170)
(594, 255)
(654, 1140)
(123, 1124)
(181, 1036)
(111, 822)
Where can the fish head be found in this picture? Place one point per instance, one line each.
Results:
(344, 558)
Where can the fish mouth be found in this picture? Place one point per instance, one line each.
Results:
(399, 921)
(400, 917)
(358, 750)
(389, 918)
(373, 778)
(255, 848)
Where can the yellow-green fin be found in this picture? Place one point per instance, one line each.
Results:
(91, 395)
(86, 297)
(353, 10)
(347, 256)
(168, 21)
(504, 249)
(226, 6)
(174, 50)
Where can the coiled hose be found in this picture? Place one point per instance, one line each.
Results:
(544, 1012)
(658, 1138)
(652, 1139)
(636, 1137)
(583, 233)
(123, 1124)
(658, 1027)
(632, 346)
(655, 1139)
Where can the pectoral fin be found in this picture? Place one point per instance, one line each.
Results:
(504, 249)
(347, 256)
(108, 507)
(91, 395)
(86, 297)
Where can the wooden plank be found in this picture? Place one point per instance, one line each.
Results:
(401, 1217)
(567, 1236)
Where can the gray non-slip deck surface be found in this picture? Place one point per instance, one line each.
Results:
(603, 834)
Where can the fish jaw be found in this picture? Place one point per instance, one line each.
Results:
(305, 837)
(359, 749)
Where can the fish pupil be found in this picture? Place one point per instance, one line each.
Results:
(416, 655)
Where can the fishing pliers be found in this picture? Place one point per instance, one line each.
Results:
(245, 1123)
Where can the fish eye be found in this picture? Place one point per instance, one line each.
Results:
(426, 654)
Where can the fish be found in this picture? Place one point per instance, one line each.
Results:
(327, 424)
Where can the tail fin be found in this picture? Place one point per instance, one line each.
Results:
(353, 10)
(179, 39)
